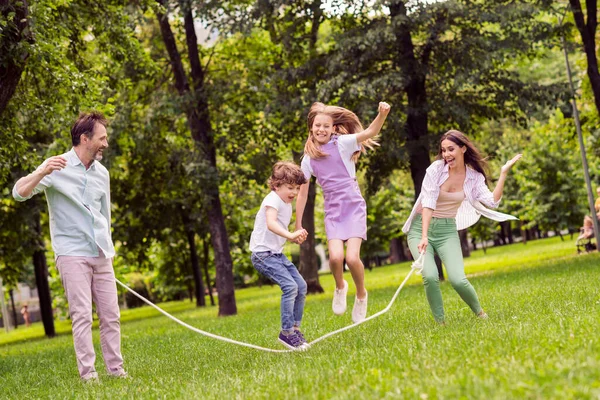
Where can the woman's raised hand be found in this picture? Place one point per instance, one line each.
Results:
(509, 164)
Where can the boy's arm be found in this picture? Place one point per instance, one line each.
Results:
(277, 229)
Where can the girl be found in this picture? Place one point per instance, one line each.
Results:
(453, 190)
(336, 139)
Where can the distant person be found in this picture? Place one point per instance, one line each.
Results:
(25, 314)
(335, 141)
(587, 230)
(451, 198)
(266, 244)
(77, 189)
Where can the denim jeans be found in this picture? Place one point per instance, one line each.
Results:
(280, 270)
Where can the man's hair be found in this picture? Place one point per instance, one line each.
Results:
(286, 173)
(84, 125)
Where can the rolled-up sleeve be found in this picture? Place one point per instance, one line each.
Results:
(43, 185)
(430, 188)
(483, 194)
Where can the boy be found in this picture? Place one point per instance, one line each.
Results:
(266, 244)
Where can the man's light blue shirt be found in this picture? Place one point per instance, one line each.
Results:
(79, 208)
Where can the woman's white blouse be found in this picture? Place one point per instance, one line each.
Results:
(471, 209)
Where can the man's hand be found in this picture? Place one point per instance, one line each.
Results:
(52, 164)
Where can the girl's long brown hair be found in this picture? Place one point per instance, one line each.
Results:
(344, 122)
(473, 157)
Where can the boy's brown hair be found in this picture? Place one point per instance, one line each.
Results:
(286, 173)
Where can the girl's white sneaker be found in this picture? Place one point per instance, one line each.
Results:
(339, 300)
(359, 312)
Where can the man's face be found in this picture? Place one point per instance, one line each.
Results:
(99, 141)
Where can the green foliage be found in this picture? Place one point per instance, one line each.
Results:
(551, 188)
(388, 209)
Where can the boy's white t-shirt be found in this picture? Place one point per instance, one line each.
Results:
(347, 146)
(262, 238)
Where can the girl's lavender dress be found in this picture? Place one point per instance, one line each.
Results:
(345, 208)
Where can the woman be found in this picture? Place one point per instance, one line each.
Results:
(451, 199)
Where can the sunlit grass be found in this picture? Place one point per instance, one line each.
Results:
(541, 341)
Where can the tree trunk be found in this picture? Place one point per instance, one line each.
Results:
(309, 265)
(206, 274)
(464, 243)
(198, 284)
(523, 232)
(14, 310)
(414, 72)
(41, 280)
(587, 30)
(397, 253)
(505, 227)
(199, 121)
(13, 54)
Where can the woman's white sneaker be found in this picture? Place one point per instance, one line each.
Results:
(339, 300)
(359, 312)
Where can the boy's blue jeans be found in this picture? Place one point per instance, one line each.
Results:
(280, 270)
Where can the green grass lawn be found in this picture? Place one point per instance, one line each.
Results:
(541, 341)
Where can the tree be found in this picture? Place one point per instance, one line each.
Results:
(441, 65)
(58, 48)
(587, 31)
(197, 111)
(550, 189)
(16, 35)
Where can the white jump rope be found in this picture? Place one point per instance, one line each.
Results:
(416, 266)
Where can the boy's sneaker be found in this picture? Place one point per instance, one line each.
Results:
(305, 344)
(339, 299)
(359, 312)
(291, 340)
(482, 315)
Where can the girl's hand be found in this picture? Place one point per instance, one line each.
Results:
(299, 236)
(506, 167)
(384, 108)
(422, 246)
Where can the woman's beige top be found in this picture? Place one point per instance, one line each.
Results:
(447, 204)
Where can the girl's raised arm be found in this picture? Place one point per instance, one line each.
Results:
(375, 127)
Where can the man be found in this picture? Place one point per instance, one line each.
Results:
(77, 189)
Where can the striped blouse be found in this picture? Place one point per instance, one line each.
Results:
(471, 209)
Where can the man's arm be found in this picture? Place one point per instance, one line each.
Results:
(35, 183)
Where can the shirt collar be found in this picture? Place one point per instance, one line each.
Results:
(72, 155)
